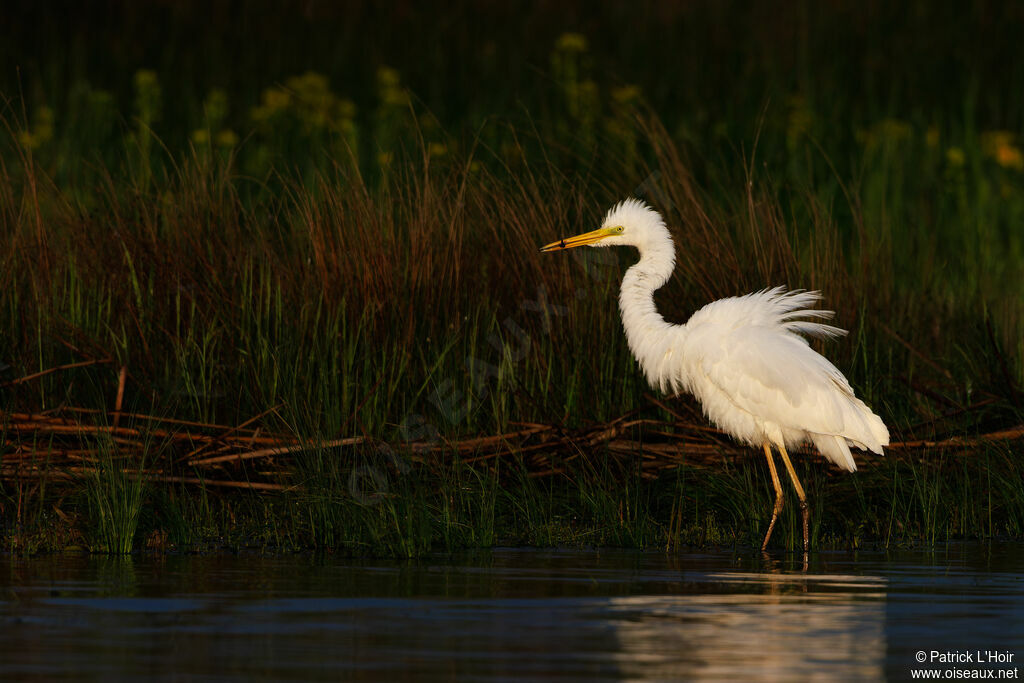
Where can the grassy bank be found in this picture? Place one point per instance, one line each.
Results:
(383, 512)
(292, 258)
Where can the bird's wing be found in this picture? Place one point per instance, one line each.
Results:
(777, 377)
(766, 370)
(750, 348)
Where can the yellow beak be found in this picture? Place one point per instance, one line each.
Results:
(580, 240)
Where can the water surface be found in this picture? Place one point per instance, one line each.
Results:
(510, 615)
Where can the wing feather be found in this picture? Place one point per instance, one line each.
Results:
(755, 374)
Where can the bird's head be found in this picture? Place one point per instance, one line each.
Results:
(629, 223)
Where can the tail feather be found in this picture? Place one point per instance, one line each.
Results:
(835, 449)
(864, 430)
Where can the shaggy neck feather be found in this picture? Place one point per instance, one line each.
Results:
(643, 324)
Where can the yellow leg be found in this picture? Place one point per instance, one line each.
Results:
(805, 511)
(778, 494)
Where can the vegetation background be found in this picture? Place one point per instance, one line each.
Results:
(326, 216)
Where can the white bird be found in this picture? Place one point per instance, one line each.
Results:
(743, 358)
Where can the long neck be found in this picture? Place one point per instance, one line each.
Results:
(646, 330)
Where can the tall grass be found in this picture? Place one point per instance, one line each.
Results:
(345, 257)
(421, 307)
(115, 492)
(429, 292)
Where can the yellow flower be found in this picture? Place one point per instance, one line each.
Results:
(215, 107)
(41, 130)
(955, 156)
(226, 138)
(144, 78)
(26, 140)
(346, 126)
(395, 97)
(275, 98)
(436, 149)
(346, 109)
(800, 120)
(1009, 156)
(999, 145)
(627, 94)
(993, 139)
(387, 77)
(885, 133)
(893, 130)
(572, 42)
(309, 85)
(201, 136)
(389, 88)
(147, 96)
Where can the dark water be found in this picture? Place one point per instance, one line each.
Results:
(512, 615)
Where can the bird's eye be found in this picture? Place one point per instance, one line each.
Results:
(619, 229)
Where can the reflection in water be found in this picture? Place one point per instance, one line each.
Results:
(506, 615)
(726, 637)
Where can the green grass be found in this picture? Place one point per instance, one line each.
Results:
(374, 501)
(114, 492)
(361, 253)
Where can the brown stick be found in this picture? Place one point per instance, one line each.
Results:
(76, 472)
(255, 485)
(497, 439)
(665, 408)
(196, 451)
(280, 450)
(121, 379)
(168, 420)
(77, 428)
(69, 366)
(959, 441)
(666, 444)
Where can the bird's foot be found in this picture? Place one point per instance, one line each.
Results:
(779, 500)
(767, 536)
(805, 513)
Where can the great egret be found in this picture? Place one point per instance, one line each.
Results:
(743, 358)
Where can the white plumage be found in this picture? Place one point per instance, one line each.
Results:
(745, 358)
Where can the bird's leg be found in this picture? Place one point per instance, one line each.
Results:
(778, 494)
(805, 511)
